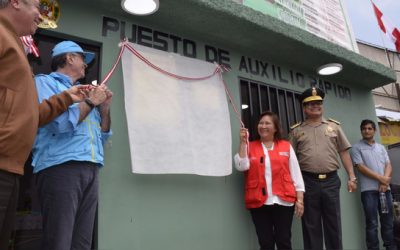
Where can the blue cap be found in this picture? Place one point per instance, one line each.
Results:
(71, 47)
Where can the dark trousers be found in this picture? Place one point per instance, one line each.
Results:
(273, 226)
(9, 188)
(372, 207)
(321, 218)
(68, 194)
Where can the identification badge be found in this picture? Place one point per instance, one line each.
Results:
(330, 131)
(299, 135)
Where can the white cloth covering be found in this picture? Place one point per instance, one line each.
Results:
(176, 126)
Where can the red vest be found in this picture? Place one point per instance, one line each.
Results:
(282, 183)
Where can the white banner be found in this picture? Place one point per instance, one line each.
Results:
(175, 126)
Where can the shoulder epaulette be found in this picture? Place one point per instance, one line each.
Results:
(331, 120)
(295, 125)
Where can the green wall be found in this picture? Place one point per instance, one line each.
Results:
(174, 212)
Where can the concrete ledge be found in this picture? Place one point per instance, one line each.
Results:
(250, 32)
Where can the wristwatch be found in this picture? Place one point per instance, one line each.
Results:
(90, 103)
(354, 179)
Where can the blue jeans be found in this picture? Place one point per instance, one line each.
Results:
(372, 207)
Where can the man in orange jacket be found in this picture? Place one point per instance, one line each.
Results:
(20, 113)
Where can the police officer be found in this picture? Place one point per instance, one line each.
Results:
(317, 142)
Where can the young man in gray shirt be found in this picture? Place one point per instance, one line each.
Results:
(375, 171)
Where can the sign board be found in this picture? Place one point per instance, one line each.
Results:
(390, 133)
(325, 19)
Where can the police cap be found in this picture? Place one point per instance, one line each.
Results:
(312, 94)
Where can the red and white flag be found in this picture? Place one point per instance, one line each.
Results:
(29, 45)
(392, 32)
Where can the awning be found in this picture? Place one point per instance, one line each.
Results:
(387, 115)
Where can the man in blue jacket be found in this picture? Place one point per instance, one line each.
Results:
(69, 151)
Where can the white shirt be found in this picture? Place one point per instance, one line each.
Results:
(243, 164)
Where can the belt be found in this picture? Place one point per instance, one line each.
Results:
(318, 176)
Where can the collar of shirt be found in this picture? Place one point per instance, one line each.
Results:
(64, 79)
(266, 149)
(366, 142)
(305, 123)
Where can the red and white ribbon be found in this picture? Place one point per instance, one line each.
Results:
(219, 69)
(29, 45)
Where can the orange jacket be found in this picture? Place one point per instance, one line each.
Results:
(282, 183)
(20, 111)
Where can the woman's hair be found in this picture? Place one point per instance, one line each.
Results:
(275, 121)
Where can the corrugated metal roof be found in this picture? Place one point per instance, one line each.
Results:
(388, 115)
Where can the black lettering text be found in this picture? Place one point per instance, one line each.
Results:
(189, 48)
(159, 42)
(109, 24)
(143, 38)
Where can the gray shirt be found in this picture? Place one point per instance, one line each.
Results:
(373, 157)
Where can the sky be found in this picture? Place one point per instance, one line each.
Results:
(363, 20)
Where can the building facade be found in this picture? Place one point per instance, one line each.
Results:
(270, 63)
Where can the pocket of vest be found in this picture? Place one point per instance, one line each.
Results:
(251, 184)
(287, 178)
(288, 185)
(253, 193)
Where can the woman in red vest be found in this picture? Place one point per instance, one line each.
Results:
(274, 186)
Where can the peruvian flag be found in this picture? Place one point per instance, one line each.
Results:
(387, 28)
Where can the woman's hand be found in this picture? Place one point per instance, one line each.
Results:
(244, 135)
(299, 204)
(299, 208)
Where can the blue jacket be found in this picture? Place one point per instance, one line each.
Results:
(64, 139)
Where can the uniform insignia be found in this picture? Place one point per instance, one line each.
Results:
(314, 92)
(331, 120)
(50, 14)
(295, 125)
(329, 129)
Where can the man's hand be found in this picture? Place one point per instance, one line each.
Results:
(348, 165)
(79, 93)
(383, 188)
(107, 102)
(351, 185)
(98, 95)
(384, 180)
